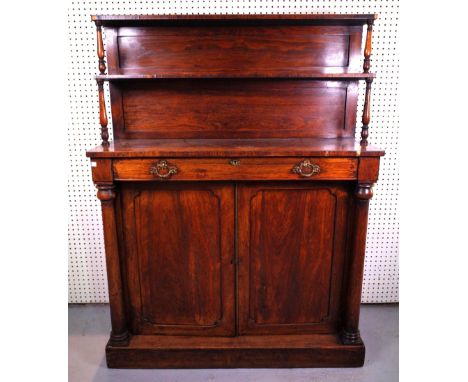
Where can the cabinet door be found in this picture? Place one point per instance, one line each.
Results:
(179, 249)
(291, 248)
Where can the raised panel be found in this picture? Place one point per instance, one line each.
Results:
(291, 251)
(234, 109)
(179, 258)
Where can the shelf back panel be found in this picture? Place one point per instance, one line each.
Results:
(228, 108)
(234, 50)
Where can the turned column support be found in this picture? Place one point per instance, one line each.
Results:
(366, 68)
(100, 48)
(366, 115)
(102, 69)
(368, 47)
(119, 334)
(350, 334)
(103, 114)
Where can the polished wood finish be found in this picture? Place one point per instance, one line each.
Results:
(344, 75)
(174, 48)
(101, 171)
(291, 257)
(234, 195)
(368, 170)
(317, 350)
(222, 148)
(366, 113)
(204, 109)
(100, 48)
(179, 258)
(368, 47)
(119, 335)
(347, 19)
(229, 169)
(231, 50)
(367, 102)
(103, 114)
(350, 333)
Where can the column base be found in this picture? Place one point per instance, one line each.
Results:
(353, 338)
(122, 339)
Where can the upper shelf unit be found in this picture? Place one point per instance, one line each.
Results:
(239, 50)
(233, 46)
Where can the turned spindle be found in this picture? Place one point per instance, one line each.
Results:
(102, 113)
(368, 48)
(366, 113)
(100, 48)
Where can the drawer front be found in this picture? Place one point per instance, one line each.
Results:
(167, 169)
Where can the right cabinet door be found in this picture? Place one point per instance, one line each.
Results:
(291, 253)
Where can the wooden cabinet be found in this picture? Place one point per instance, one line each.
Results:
(234, 196)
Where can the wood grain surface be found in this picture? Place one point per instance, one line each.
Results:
(180, 258)
(229, 108)
(244, 169)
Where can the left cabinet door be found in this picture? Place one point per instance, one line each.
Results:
(178, 241)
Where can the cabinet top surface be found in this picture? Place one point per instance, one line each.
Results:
(328, 147)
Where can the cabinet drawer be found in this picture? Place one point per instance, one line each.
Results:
(236, 169)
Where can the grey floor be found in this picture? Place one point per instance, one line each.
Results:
(88, 331)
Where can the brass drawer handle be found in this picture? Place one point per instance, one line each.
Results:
(163, 169)
(306, 168)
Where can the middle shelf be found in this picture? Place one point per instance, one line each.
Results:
(285, 75)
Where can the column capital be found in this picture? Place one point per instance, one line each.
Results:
(106, 192)
(364, 191)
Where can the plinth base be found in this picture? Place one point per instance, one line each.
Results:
(279, 351)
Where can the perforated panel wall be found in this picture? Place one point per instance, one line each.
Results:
(87, 275)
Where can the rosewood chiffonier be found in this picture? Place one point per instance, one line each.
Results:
(234, 195)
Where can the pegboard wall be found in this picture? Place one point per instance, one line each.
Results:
(87, 272)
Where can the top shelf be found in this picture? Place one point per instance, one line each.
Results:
(286, 75)
(356, 19)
